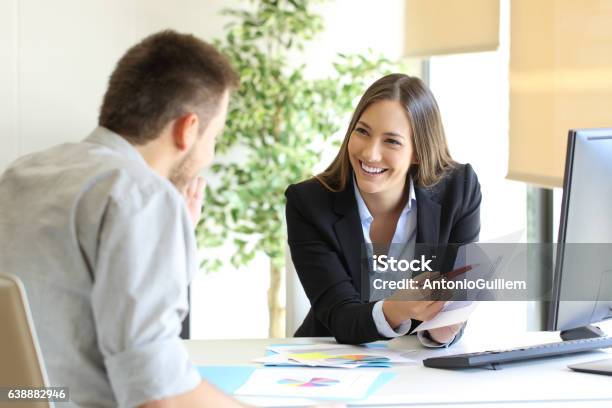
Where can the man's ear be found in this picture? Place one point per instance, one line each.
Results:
(185, 131)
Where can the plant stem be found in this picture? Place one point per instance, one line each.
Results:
(276, 310)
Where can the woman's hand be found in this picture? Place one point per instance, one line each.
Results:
(415, 303)
(398, 311)
(194, 195)
(445, 334)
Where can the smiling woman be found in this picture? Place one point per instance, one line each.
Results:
(393, 181)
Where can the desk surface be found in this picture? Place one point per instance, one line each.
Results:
(541, 383)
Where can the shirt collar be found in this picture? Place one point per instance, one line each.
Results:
(364, 213)
(112, 140)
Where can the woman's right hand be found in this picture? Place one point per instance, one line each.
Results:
(418, 303)
(398, 311)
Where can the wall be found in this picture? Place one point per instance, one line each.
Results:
(61, 53)
(8, 84)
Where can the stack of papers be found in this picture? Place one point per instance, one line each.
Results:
(333, 355)
(311, 383)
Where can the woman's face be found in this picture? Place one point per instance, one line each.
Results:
(381, 148)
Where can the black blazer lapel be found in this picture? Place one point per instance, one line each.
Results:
(350, 236)
(428, 227)
(428, 217)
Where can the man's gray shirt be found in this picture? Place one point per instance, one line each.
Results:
(105, 248)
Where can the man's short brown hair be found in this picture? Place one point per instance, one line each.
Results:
(161, 78)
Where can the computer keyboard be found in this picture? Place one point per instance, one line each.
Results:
(496, 357)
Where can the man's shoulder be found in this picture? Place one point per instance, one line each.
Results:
(129, 183)
(86, 170)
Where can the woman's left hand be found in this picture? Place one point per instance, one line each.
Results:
(445, 334)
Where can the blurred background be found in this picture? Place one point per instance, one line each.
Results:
(510, 77)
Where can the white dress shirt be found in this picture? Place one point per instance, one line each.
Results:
(405, 234)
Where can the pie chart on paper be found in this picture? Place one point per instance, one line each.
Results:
(313, 382)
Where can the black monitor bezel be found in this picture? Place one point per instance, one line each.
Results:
(553, 310)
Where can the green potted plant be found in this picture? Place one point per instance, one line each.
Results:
(281, 121)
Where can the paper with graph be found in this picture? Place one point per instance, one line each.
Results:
(335, 355)
(309, 383)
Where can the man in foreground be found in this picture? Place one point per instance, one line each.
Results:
(102, 237)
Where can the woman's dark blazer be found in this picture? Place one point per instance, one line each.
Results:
(325, 238)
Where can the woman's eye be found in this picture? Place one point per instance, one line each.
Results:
(394, 142)
(361, 131)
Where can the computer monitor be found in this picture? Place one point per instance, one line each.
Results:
(582, 282)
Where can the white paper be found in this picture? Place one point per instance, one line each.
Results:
(449, 317)
(274, 359)
(290, 348)
(309, 383)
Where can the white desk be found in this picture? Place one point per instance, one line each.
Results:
(542, 383)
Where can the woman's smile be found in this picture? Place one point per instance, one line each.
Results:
(372, 169)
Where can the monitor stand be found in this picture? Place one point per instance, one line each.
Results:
(584, 332)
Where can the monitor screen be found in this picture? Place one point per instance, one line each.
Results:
(582, 285)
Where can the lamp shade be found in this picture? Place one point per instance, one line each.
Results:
(435, 27)
(560, 79)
